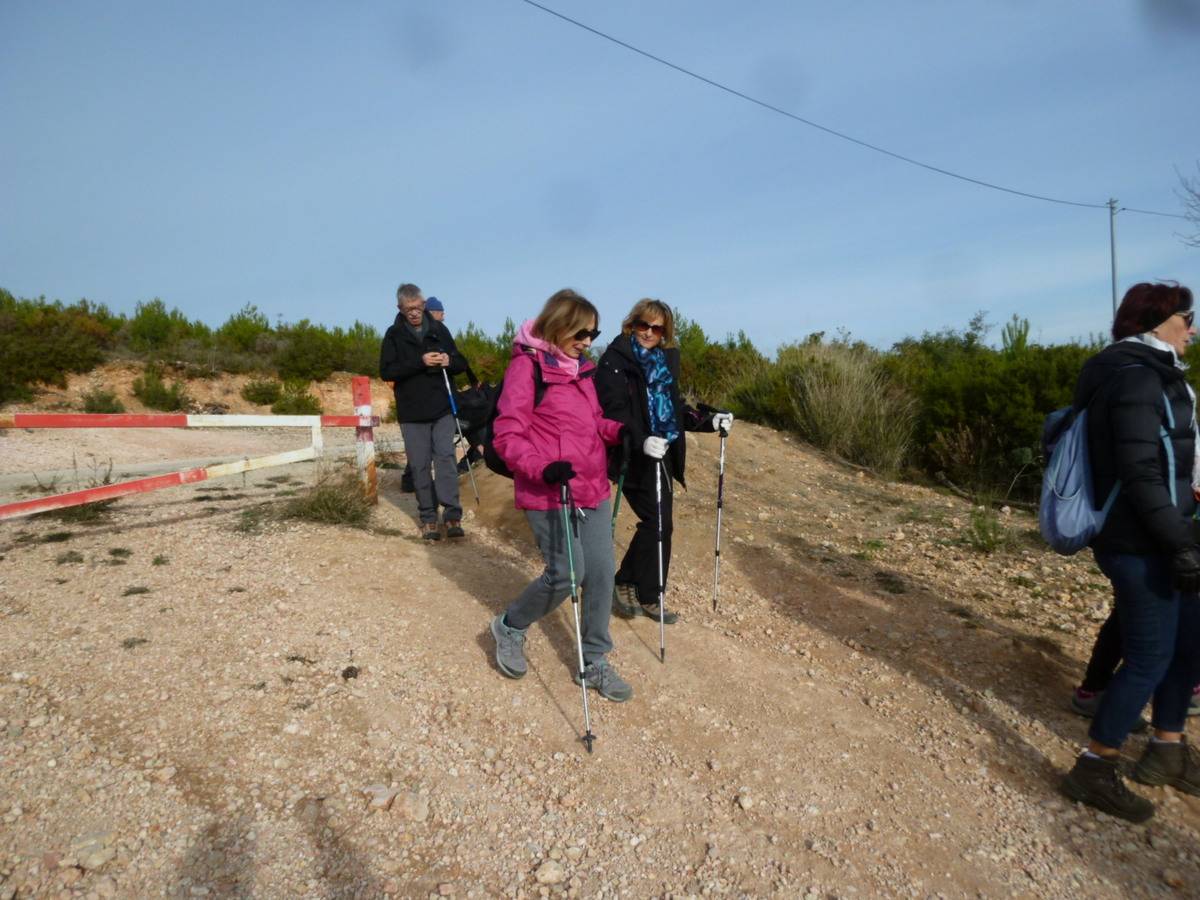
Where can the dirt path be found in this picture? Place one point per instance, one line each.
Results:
(877, 710)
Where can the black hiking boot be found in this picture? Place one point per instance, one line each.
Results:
(1096, 782)
(430, 531)
(1176, 764)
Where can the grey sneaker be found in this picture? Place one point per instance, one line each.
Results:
(1176, 764)
(510, 648)
(1097, 783)
(604, 678)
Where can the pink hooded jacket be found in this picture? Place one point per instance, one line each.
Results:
(568, 424)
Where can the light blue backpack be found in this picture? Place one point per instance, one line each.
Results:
(1067, 516)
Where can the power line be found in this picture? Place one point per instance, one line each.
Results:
(831, 131)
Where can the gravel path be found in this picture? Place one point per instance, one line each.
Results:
(189, 708)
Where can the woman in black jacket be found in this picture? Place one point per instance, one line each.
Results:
(1141, 442)
(638, 385)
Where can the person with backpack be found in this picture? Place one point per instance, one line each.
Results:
(638, 384)
(549, 431)
(1141, 441)
(415, 351)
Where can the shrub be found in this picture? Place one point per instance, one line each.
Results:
(308, 352)
(99, 400)
(155, 394)
(262, 391)
(333, 500)
(359, 349)
(295, 400)
(488, 356)
(986, 533)
(154, 328)
(42, 342)
(843, 402)
(243, 329)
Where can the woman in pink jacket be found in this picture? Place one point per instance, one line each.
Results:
(549, 430)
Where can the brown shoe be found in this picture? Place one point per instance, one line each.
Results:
(430, 531)
(454, 529)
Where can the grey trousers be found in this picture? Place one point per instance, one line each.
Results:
(433, 441)
(592, 551)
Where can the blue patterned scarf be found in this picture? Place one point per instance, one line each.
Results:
(658, 390)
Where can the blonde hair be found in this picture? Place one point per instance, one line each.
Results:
(564, 313)
(647, 307)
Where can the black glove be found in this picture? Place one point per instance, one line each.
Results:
(560, 472)
(1185, 569)
(626, 444)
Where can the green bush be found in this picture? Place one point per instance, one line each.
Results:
(153, 328)
(99, 400)
(242, 331)
(42, 342)
(334, 500)
(154, 393)
(359, 349)
(262, 391)
(488, 356)
(307, 352)
(295, 400)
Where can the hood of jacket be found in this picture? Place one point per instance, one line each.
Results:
(1104, 365)
(556, 366)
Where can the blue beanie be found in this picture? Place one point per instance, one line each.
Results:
(433, 304)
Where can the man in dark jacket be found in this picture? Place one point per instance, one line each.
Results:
(417, 355)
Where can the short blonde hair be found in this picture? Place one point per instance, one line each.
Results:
(647, 307)
(564, 313)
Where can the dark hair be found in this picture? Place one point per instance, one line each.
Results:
(1146, 306)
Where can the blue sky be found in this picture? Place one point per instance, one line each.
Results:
(308, 157)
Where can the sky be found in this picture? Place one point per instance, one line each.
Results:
(309, 157)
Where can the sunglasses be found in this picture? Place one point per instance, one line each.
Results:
(1189, 316)
(657, 330)
(584, 335)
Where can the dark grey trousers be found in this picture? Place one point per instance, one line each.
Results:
(433, 441)
(594, 568)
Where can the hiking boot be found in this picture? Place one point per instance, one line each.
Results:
(1096, 782)
(430, 531)
(604, 678)
(463, 467)
(625, 601)
(1194, 705)
(652, 611)
(510, 648)
(1085, 703)
(454, 529)
(1176, 764)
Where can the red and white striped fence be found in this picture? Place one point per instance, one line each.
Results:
(362, 421)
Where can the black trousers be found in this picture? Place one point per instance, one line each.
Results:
(640, 564)
(1106, 654)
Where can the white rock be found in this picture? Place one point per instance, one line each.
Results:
(550, 872)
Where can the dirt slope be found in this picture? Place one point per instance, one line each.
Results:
(877, 709)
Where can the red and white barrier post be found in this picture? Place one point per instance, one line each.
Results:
(364, 435)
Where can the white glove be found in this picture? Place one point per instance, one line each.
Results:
(655, 447)
(723, 422)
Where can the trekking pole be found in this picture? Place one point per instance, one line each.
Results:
(620, 488)
(568, 508)
(662, 589)
(458, 425)
(720, 505)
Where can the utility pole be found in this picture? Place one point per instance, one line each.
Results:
(1112, 249)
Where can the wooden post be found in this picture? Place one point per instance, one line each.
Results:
(365, 437)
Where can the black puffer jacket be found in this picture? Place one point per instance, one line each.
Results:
(420, 390)
(621, 386)
(1122, 387)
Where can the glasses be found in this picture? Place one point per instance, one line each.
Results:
(584, 335)
(1189, 316)
(657, 330)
